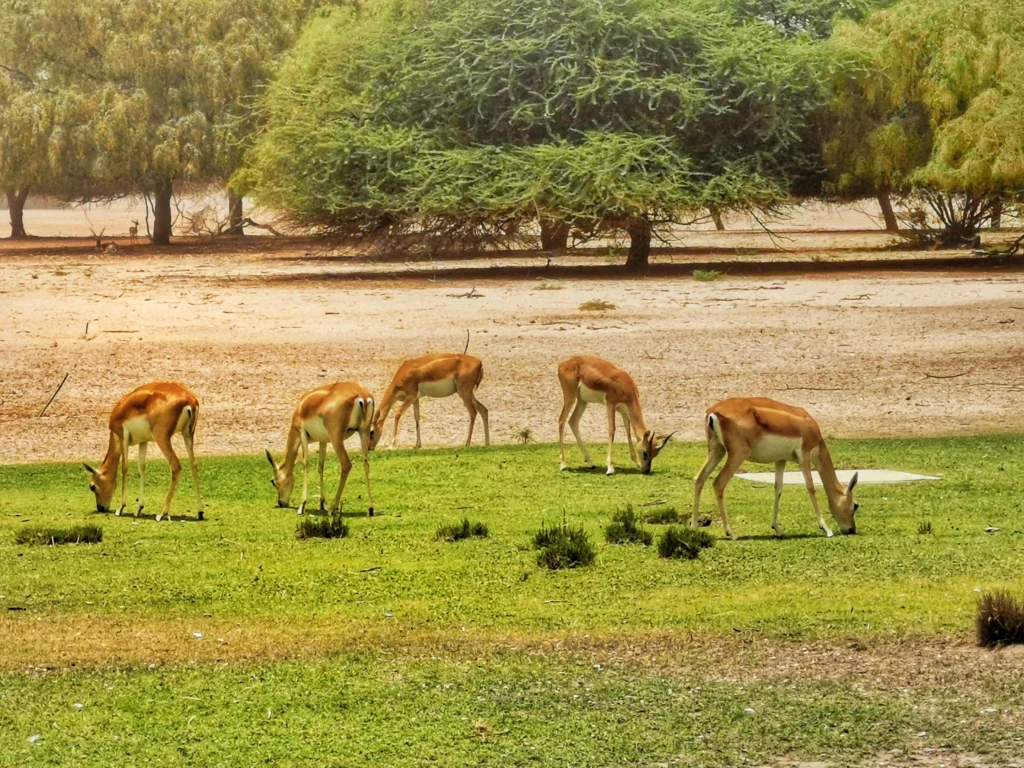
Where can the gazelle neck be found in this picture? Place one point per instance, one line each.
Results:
(291, 450)
(827, 473)
(636, 417)
(113, 456)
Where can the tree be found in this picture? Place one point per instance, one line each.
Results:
(171, 85)
(927, 104)
(449, 122)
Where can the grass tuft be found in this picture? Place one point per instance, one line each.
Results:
(332, 527)
(547, 285)
(597, 305)
(924, 527)
(463, 530)
(684, 543)
(39, 535)
(625, 529)
(706, 275)
(563, 547)
(662, 516)
(1000, 619)
(523, 435)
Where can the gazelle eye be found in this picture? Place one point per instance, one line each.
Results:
(92, 487)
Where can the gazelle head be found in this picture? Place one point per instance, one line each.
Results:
(376, 430)
(102, 486)
(283, 481)
(843, 508)
(650, 446)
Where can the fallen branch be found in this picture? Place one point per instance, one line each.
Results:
(53, 395)
(953, 376)
(814, 389)
(374, 568)
(471, 295)
(653, 503)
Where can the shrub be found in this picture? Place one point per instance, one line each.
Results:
(332, 527)
(662, 516)
(463, 530)
(597, 305)
(706, 275)
(625, 529)
(685, 543)
(1000, 619)
(563, 547)
(42, 535)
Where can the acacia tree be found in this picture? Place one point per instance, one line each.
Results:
(170, 86)
(927, 104)
(454, 121)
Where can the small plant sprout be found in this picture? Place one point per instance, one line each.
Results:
(523, 435)
(924, 527)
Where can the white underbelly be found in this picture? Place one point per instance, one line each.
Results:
(138, 430)
(772, 448)
(588, 395)
(315, 429)
(444, 388)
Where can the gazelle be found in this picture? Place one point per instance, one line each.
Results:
(439, 375)
(769, 432)
(588, 380)
(133, 231)
(152, 413)
(328, 414)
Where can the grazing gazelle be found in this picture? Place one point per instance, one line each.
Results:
(587, 380)
(328, 414)
(768, 432)
(440, 375)
(153, 412)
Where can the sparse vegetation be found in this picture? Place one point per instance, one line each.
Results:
(39, 535)
(597, 305)
(924, 527)
(463, 530)
(1000, 619)
(706, 275)
(547, 285)
(662, 516)
(625, 528)
(684, 543)
(563, 547)
(523, 435)
(332, 527)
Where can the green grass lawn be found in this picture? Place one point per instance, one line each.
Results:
(505, 704)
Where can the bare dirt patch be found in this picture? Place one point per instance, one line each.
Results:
(250, 327)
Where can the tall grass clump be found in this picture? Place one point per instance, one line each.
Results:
(1000, 619)
(332, 527)
(706, 275)
(684, 543)
(463, 530)
(39, 535)
(625, 529)
(563, 547)
(662, 516)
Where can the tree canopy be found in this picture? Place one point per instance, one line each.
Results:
(459, 118)
(927, 102)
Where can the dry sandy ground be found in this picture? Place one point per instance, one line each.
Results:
(866, 352)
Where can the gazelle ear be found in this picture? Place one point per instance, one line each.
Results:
(853, 483)
(270, 458)
(89, 469)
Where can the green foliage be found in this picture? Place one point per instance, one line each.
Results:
(52, 535)
(625, 528)
(924, 528)
(597, 305)
(332, 527)
(446, 116)
(683, 543)
(706, 275)
(463, 530)
(1000, 619)
(804, 17)
(662, 516)
(563, 547)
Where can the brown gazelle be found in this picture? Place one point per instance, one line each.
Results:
(439, 375)
(768, 432)
(328, 414)
(152, 413)
(588, 380)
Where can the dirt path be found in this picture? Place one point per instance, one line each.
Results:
(868, 354)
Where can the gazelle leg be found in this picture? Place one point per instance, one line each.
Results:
(629, 439)
(190, 449)
(562, 417)
(805, 466)
(780, 471)
(732, 464)
(305, 472)
(398, 417)
(574, 425)
(471, 410)
(320, 467)
(124, 475)
(611, 439)
(142, 478)
(484, 414)
(416, 418)
(163, 442)
(716, 451)
(346, 467)
(364, 440)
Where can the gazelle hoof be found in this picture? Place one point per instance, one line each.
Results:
(371, 511)
(302, 508)
(118, 511)
(199, 515)
(139, 510)
(323, 507)
(779, 532)
(610, 471)
(161, 517)
(828, 534)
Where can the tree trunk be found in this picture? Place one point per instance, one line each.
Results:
(996, 217)
(162, 213)
(235, 214)
(16, 204)
(716, 216)
(891, 224)
(640, 232)
(554, 234)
